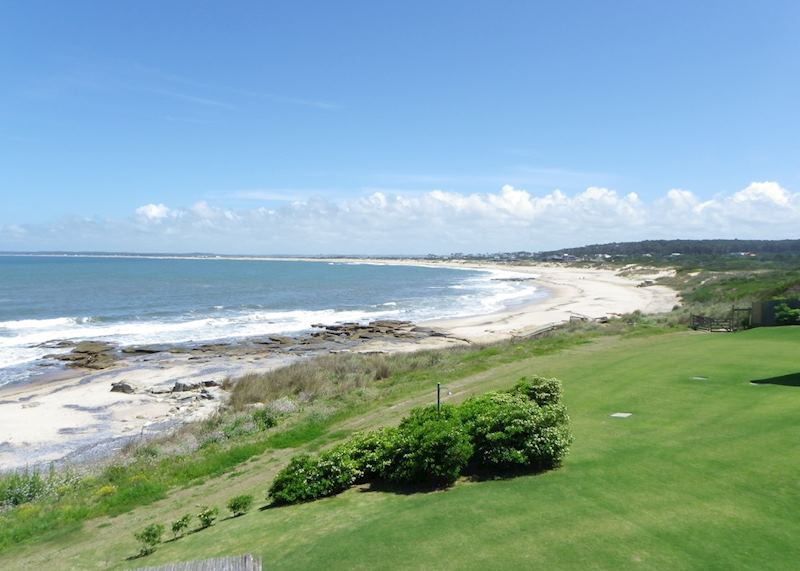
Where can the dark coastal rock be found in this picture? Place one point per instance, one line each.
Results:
(212, 383)
(159, 390)
(390, 323)
(214, 347)
(183, 386)
(88, 355)
(204, 394)
(351, 332)
(58, 344)
(99, 361)
(147, 349)
(124, 387)
(92, 347)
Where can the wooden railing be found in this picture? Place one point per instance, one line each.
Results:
(712, 323)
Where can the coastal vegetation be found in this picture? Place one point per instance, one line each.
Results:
(647, 488)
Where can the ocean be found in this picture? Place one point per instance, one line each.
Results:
(143, 300)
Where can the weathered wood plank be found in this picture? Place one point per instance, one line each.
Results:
(235, 563)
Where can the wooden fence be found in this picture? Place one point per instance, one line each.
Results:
(235, 563)
(712, 323)
(738, 318)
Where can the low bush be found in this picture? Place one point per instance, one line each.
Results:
(431, 448)
(29, 485)
(264, 418)
(308, 478)
(371, 452)
(149, 537)
(180, 526)
(510, 432)
(541, 390)
(240, 505)
(207, 516)
(785, 315)
(525, 428)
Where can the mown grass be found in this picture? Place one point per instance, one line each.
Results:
(702, 476)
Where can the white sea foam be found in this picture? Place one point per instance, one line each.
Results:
(22, 324)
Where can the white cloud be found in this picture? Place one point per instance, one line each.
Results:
(436, 221)
(681, 200)
(152, 212)
(763, 192)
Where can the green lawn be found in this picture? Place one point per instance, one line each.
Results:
(703, 475)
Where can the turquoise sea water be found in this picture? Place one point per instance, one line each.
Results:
(173, 300)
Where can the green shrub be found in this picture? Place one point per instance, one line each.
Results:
(30, 485)
(307, 478)
(180, 526)
(525, 427)
(541, 390)
(553, 438)
(207, 516)
(371, 452)
(785, 315)
(511, 432)
(264, 418)
(149, 537)
(21, 487)
(240, 505)
(431, 448)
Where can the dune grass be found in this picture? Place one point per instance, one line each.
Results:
(701, 476)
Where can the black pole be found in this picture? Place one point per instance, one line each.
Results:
(438, 397)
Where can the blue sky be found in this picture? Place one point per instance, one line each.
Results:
(388, 127)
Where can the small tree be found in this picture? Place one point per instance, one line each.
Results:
(239, 505)
(180, 526)
(149, 537)
(207, 516)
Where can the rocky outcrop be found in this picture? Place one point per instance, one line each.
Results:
(124, 387)
(148, 349)
(184, 386)
(379, 329)
(89, 355)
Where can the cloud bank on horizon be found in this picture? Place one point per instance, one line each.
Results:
(511, 219)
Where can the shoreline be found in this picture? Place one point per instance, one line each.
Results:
(75, 416)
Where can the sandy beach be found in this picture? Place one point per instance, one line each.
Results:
(76, 417)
